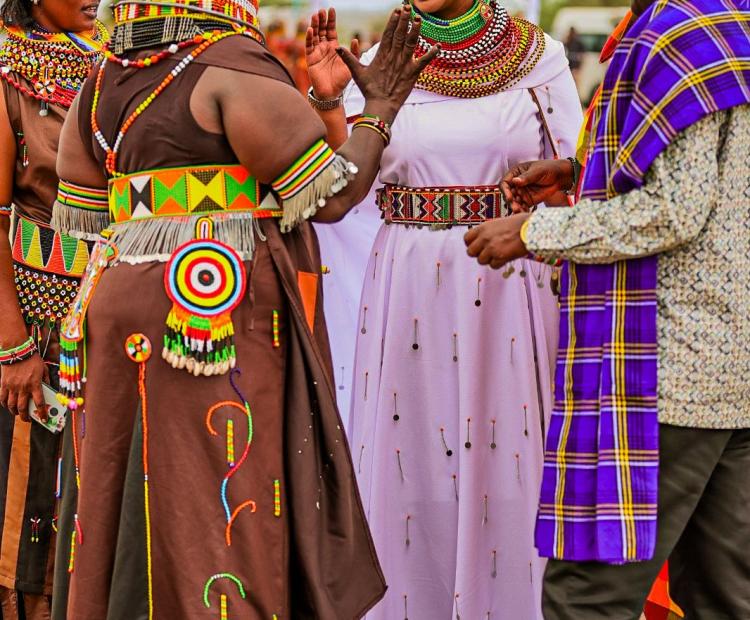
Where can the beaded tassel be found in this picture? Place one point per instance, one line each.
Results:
(276, 341)
(206, 281)
(276, 498)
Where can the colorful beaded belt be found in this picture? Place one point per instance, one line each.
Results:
(190, 190)
(441, 206)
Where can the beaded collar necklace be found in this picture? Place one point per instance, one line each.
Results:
(55, 63)
(483, 51)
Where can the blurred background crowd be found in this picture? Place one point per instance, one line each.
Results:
(583, 25)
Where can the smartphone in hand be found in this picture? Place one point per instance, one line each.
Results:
(55, 411)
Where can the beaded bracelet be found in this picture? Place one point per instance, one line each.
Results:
(18, 354)
(6, 210)
(376, 124)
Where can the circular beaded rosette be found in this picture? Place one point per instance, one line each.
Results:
(138, 348)
(205, 278)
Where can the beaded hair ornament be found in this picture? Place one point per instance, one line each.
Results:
(145, 23)
(483, 51)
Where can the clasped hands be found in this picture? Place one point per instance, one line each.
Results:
(498, 242)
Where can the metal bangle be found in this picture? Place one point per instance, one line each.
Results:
(324, 105)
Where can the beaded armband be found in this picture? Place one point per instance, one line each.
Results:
(79, 211)
(6, 210)
(318, 174)
(18, 354)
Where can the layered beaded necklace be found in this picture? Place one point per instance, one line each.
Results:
(54, 63)
(483, 51)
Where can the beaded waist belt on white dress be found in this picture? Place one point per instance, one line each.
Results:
(441, 206)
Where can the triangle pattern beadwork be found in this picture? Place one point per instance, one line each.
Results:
(182, 191)
(40, 247)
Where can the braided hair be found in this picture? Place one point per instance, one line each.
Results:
(16, 12)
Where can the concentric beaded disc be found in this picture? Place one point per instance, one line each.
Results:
(205, 278)
(138, 348)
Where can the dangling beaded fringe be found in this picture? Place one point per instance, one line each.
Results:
(145, 241)
(79, 223)
(312, 198)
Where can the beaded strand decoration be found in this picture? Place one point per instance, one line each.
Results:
(55, 64)
(482, 52)
(202, 41)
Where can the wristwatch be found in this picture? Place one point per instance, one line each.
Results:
(577, 168)
(324, 105)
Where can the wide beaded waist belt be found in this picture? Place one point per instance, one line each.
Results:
(190, 190)
(441, 206)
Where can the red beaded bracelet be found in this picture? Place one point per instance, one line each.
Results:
(18, 354)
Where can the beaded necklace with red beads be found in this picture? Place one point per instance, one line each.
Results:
(483, 51)
(55, 64)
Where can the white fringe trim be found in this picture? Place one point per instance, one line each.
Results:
(154, 240)
(79, 223)
(312, 198)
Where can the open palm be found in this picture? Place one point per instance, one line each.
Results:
(329, 74)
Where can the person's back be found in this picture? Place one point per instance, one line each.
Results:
(173, 501)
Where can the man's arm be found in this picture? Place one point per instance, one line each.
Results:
(670, 209)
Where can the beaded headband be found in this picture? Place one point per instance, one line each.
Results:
(241, 12)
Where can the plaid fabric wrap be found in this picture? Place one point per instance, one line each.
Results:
(681, 61)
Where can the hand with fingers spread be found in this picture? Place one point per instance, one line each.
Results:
(20, 384)
(530, 183)
(389, 79)
(497, 242)
(328, 73)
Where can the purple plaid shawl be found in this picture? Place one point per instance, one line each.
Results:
(681, 61)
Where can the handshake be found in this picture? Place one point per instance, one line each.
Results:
(497, 242)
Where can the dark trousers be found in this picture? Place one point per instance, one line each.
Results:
(703, 530)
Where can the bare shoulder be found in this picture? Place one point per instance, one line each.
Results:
(267, 122)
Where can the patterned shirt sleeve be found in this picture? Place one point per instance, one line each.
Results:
(669, 210)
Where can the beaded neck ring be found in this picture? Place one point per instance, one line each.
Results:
(483, 51)
(55, 64)
(145, 23)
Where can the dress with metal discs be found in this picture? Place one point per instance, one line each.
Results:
(452, 382)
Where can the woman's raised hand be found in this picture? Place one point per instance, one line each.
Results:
(389, 79)
(328, 73)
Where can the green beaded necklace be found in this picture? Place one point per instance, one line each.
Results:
(456, 30)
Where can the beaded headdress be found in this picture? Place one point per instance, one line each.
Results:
(144, 23)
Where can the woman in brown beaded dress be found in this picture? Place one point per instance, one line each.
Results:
(215, 476)
(42, 64)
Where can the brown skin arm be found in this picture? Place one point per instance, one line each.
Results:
(267, 139)
(328, 73)
(22, 381)
(269, 124)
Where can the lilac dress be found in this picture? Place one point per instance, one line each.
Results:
(452, 382)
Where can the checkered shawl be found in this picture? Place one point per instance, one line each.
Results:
(681, 61)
